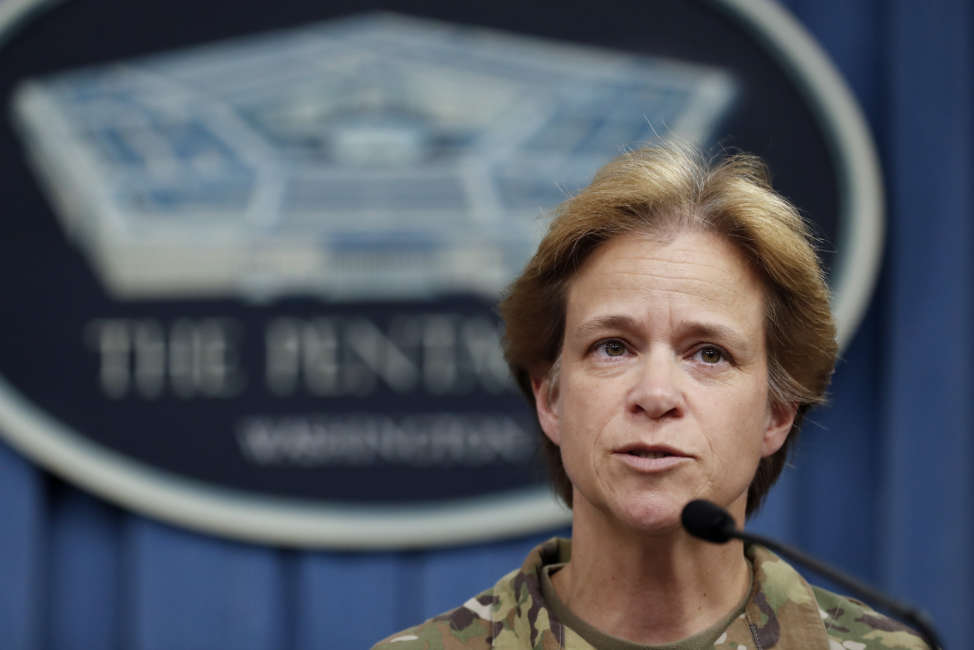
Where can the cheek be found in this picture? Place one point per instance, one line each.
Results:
(586, 416)
(587, 408)
(744, 418)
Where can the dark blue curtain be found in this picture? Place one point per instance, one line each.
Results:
(880, 484)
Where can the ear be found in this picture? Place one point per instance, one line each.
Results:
(546, 405)
(780, 419)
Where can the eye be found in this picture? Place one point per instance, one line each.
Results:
(711, 355)
(611, 348)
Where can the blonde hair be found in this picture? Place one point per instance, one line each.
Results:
(666, 189)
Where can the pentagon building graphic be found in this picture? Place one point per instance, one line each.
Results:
(361, 158)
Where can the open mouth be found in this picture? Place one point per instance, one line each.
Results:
(650, 451)
(648, 454)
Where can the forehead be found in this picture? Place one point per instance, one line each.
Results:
(689, 274)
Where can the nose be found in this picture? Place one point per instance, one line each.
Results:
(655, 391)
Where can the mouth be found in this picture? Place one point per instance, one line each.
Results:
(655, 451)
(651, 459)
(648, 454)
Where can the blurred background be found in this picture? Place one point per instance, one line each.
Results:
(250, 390)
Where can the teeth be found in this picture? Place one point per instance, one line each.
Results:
(649, 454)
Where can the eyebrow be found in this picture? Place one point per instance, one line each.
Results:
(611, 322)
(718, 332)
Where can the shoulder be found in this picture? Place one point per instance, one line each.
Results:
(472, 625)
(786, 610)
(511, 614)
(848, 621)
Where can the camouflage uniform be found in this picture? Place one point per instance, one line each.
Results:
(783, 611)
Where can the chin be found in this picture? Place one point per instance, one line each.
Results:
(652, 516)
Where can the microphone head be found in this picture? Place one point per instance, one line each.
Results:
(708, 521)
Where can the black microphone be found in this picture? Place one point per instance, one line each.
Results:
(710, 522)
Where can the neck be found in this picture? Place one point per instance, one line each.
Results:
(650, 589)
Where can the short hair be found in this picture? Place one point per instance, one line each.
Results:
(665, 189)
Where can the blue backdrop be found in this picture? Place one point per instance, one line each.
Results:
(880, 484)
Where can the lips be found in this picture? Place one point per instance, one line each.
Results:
(648, 454)
(651, 458)
(651, 451)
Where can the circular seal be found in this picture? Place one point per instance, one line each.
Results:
(253, 264)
